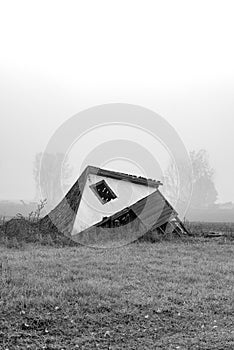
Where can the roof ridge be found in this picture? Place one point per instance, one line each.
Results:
(123, 176)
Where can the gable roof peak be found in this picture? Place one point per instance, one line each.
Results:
(90, 169)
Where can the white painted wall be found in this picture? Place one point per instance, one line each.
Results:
(91, 210)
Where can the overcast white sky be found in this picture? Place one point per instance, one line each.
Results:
(59, 57)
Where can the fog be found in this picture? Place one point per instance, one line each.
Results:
(58, 58)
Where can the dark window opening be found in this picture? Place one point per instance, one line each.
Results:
(125, 217)
(103, 192)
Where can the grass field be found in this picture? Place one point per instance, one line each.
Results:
(167, 295)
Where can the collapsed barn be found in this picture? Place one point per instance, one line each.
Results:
(103, 199)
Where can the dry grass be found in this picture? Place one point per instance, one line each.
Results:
(201, 228)
(169, 295)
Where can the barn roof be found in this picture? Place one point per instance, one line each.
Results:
(122, 176)
(153, 210)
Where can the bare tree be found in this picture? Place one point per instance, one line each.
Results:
(51, 173)
(204, 193)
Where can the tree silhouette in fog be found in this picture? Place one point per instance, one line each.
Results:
(51, 173)
(204, 193)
